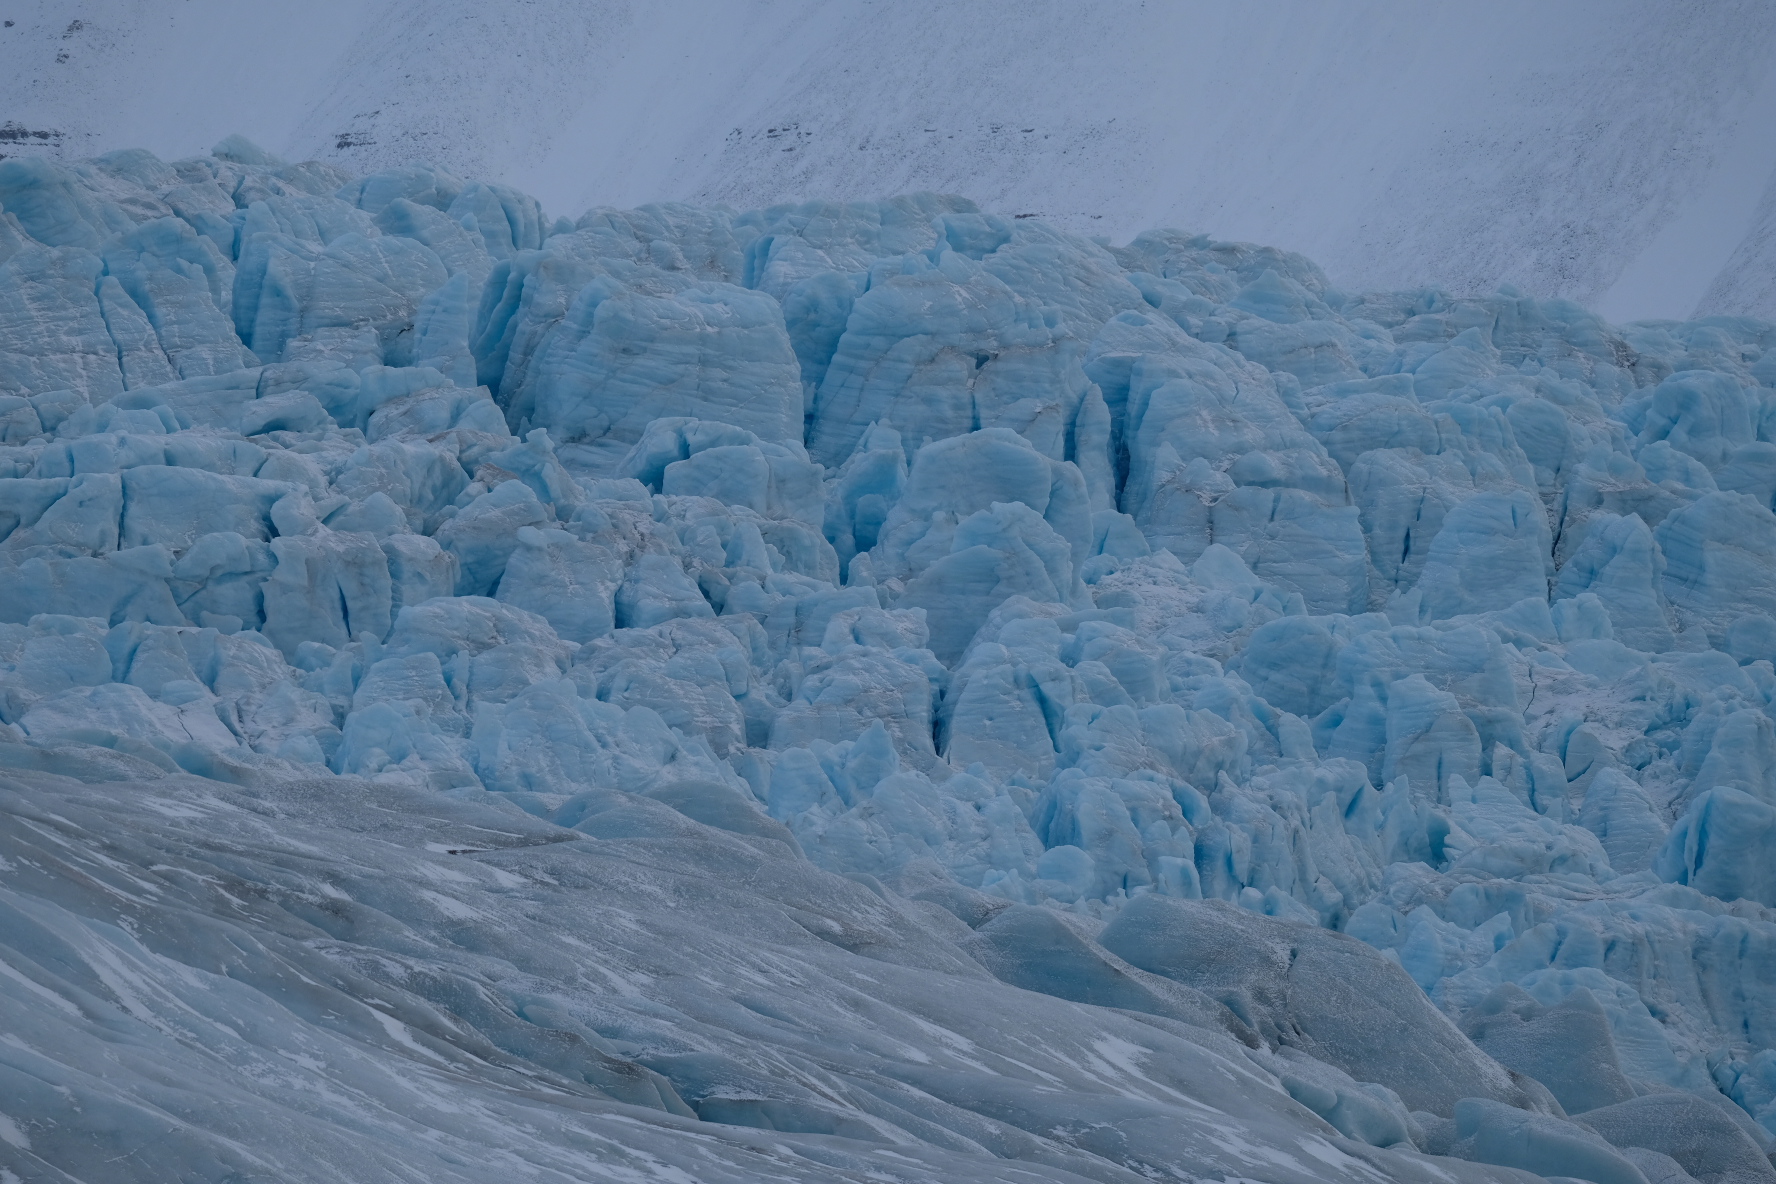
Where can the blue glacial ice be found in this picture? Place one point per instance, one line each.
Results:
(860, 691)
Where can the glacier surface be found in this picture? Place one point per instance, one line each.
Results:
(873, 690)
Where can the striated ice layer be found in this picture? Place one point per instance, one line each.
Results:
(1370, 694)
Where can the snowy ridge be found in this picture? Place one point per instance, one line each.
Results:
(1362, 702)
(1610, 152)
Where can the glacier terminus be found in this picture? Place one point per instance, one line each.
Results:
(859, 691)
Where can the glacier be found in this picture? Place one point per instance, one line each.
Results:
(860, 690)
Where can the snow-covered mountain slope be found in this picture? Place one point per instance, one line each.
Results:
(871, 690)
(1614, 153)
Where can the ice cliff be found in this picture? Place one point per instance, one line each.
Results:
(860, 691)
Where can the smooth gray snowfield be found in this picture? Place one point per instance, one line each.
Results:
(337, 980)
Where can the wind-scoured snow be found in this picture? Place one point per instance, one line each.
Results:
(872, 690)
(1610, 152)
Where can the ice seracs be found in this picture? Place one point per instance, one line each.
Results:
(1086, 601)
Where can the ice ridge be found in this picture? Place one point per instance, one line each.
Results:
(1085, 611)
